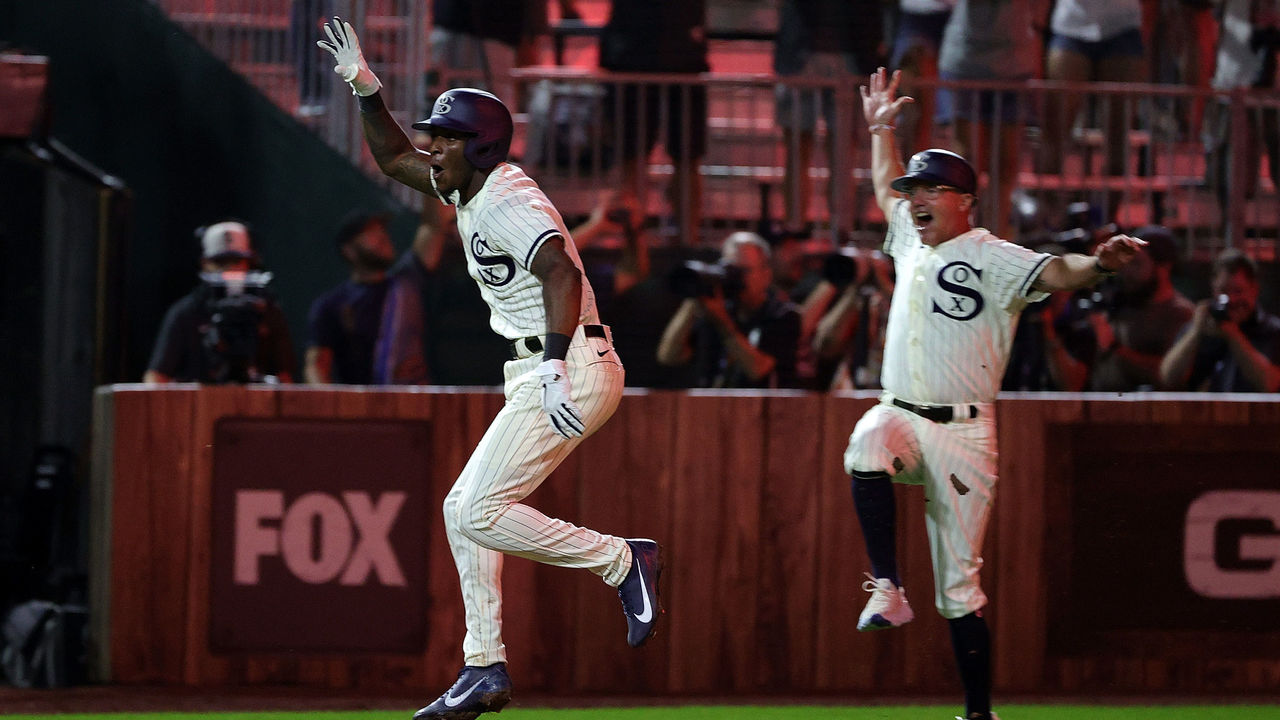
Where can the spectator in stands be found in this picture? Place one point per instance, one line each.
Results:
(353, 337)
(917, 38)
(1179, 36)
(1092, 41)
(642, 36)
(991, 40)
(476, 43)
(738, 332)
(1231, 344)
(830, 40)
(306, 22)
(1141, 319)
(229, 329)
(1248, 40)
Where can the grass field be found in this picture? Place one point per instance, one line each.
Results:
(747, 712)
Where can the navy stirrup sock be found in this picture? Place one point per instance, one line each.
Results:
(972, 644)
(877, 513)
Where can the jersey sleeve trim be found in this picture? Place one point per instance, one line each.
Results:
(1025, 289)
(537, 244)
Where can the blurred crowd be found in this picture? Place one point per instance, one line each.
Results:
(780, 307)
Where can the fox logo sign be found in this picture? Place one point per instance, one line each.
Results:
(320, 538)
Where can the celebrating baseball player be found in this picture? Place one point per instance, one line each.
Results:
(951, 322)
(563, 382)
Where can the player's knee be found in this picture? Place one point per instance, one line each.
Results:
(476, 520)
(450, 512)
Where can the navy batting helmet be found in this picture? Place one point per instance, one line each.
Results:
(478, 114)
(938, 167)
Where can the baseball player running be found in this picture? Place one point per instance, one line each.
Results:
(562, 384)
(951, 322)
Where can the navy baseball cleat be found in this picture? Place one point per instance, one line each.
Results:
(639, 591)
(887, 608)
(478, 690)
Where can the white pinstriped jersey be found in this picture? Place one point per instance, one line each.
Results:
(502, 228)
(954, 311)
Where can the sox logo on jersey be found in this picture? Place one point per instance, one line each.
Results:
(497, 269)
(966, 302)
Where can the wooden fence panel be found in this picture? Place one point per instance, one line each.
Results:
(747, 495)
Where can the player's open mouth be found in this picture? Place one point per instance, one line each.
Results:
(923, 219)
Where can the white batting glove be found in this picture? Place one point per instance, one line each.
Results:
(563, 413)
(345, 48)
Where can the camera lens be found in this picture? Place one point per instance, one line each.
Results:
(1218, 310)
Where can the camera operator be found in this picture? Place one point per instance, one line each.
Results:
(733, 324)
(229, 329)
(849, 338)
(1231, 344)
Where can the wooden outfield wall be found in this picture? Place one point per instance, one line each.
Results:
(1096, 559)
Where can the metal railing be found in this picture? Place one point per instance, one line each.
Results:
(273, 44)
(1134, 152)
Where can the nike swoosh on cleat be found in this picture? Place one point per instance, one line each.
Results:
(646, 614)
(602, 353)
(454, 701)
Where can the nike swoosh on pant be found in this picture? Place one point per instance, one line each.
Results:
(646, 614)
(454, 701)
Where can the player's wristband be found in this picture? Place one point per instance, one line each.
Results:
(880, 126)
(556, 346)
(1098, 268)
(370, 103)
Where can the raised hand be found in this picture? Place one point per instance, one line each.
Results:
(345, 48)
(879, 105)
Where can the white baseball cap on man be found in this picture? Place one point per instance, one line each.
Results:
(226, 240)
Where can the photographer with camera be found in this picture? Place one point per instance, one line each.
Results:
(1138, 318)
(1231, 344)
(849, 338)
(229, 329)
(733, 324)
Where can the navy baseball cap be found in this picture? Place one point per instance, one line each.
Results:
(938, 167)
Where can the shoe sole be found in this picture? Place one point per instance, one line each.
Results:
(877, 622)
(492, 703)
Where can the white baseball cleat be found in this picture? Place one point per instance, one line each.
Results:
(888, 606)
(975, 716)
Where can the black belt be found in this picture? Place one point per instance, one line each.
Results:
(936, 413)
(533, 343)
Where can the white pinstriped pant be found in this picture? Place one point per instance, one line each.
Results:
(956, 463)
(483, 516)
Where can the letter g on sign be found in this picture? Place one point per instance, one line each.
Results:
(1231, 544)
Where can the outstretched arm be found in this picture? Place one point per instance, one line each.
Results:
(1073, 270)
(395, 154)
(881, 109)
